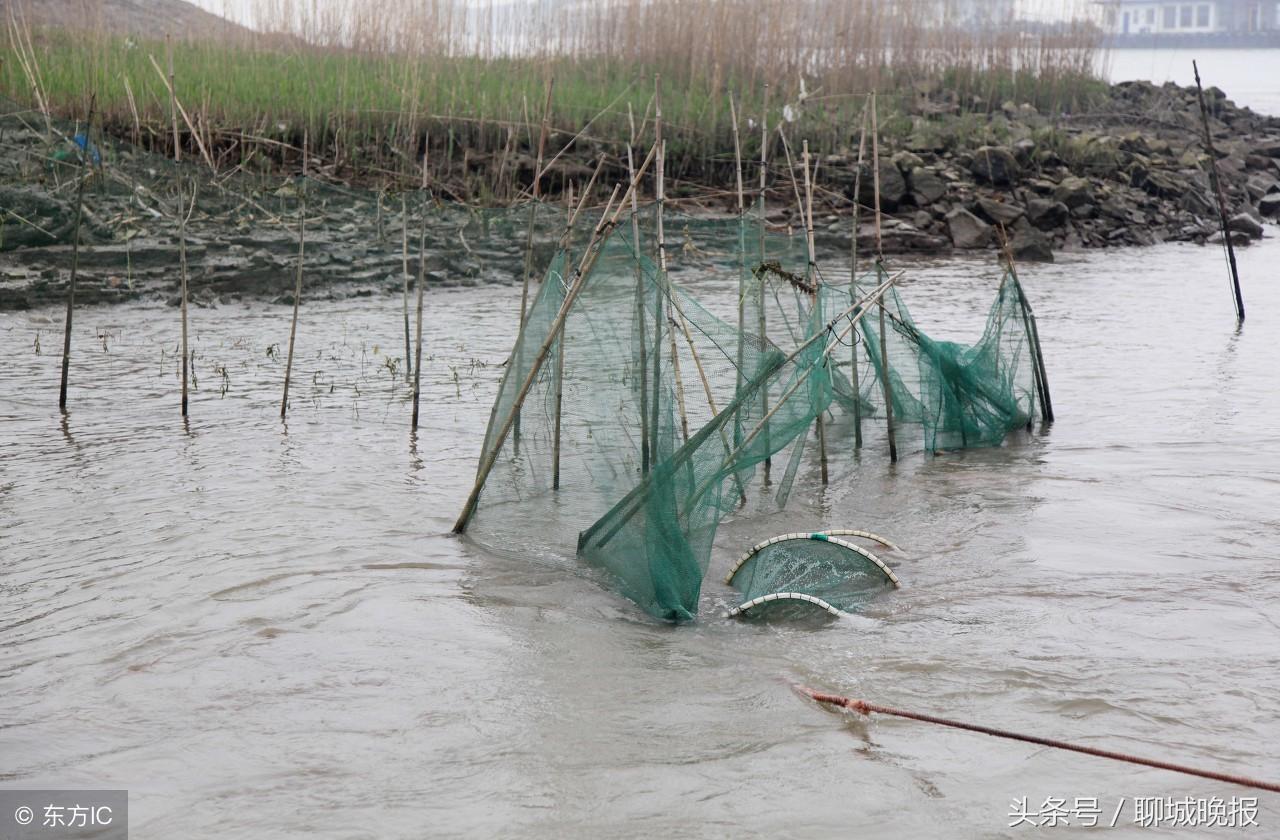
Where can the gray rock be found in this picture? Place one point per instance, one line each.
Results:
(1030, 245)
(1246, 224)
(893, 187)
(1047, 214)
(1023, 150)
(1260, 184)
(967, 230)
(1269, 206)
(907, 161)
(926, 186)
(45, 220)
(1074, 192)
(995, 165)
(998, 212)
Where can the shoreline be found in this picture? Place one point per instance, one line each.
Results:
(1130, 172)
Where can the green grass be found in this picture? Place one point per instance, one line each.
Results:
(363, 108)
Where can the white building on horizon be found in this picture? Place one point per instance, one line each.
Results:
(1199, 18)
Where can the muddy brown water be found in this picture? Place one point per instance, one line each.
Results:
(261, 628)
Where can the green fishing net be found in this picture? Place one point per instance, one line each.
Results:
(648, 417)
(798, 571)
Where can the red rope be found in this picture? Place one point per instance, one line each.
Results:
(863, 707)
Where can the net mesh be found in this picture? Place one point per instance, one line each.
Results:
(823, 568)
(648, 415)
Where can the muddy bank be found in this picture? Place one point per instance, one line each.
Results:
(1132, 172)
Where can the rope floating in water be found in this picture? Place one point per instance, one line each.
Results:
(866, 708)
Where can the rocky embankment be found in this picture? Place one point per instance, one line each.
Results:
(1132, 171)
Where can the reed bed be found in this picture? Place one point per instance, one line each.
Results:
(369, 82)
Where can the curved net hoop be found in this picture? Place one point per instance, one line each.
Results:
(832, 573)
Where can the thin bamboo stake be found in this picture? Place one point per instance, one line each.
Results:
(404, 278)
(182, 219)
(884, 343)
(659, 317)
(570, 217)
(811, 275)
(854, 374)
(533, 220)
(75, 252)
(764, 172)
(422, 286)
(1222, 200)
(640, 319)
(297, 287)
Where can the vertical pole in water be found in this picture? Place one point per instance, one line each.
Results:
(528, 249)
(297, 288)
(422, 283)
(640, 319)
(75, 253)
(1222, 199)
(764, 171)
(884, 343)
(182, 220)
(658, 310)
(558, 374)
(811, 275)
(742, 252)
(1039, 375)
(853, 276)
(404, 278)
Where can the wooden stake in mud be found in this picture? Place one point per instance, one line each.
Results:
(404, 277)
(764, 172)
(811, 275)
(1039, 375)
(641, 329)
(854, 377)
(297, 286)
(422, 285)
(1222, 199)
(182, 223)
(75, 252)
(533, 222)
(884, 343)
(659, 316)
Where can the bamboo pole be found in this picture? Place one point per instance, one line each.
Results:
(1216, 181)
(297, 288)
(75, 253)
(404, 278)
(811, 275)
(884, 343)
(533, 219)
(659, 316)
(422, 287)
(182, 221)
(640, 319)
(764, 172)
(854, 375)
(742, 256)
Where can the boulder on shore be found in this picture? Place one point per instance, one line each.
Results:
(995, 165)
(967, 230)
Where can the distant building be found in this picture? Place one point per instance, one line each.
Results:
(977, 14)
(1208, 22)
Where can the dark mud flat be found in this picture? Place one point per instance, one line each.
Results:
(1131, 172)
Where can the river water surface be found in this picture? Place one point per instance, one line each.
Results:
(262, 629)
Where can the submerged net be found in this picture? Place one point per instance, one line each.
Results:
(632, 418)
(834, 574)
